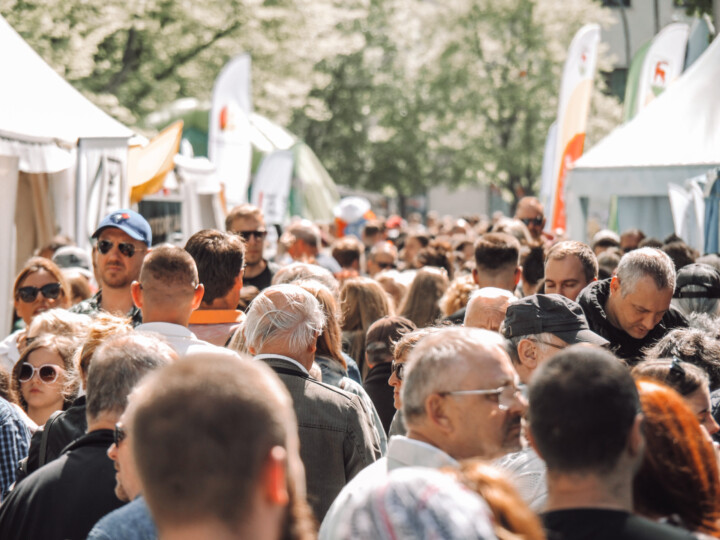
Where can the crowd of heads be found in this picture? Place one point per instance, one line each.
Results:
(490, 341)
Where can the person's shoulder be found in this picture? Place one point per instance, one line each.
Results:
(132, 520)
(643, 528)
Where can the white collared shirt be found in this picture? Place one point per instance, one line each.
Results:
(178, 337)
(286, 358)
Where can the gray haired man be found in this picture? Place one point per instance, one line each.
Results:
(460, 399)
(75, 490)
(632, 309)
(337, 438)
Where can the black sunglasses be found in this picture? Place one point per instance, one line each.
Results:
(257, 235)
(536, 220)
(50, 291)
(398, 369)
(386, 265)
(48, 373)
(104, 247)
(119, 434)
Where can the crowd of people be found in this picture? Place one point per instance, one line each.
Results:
(452, 379)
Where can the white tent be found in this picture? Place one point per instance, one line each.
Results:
(62, 159)
(674, 138)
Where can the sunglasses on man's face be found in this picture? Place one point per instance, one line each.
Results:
(386, 265)
(247, 235)
(48, 373)
(50, 291)
(104, 247)
(119, 434)
(535, 221)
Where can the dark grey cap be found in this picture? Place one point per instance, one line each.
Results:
(551, 313)
(700, 275)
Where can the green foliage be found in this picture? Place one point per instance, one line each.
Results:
(454, 93)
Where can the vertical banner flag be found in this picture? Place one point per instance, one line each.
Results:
(664, 62)
(229, 146)
(573, 106)
(548, 171)
(632, 86)
(271, 188)
(9, 179)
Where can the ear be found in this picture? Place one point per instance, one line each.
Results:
(527, 353)
(274, 477)
(198, 296)
(436, 413)
(240, 279)
(475, 276)
(615, 285)
(136, 294)
(636, 438)
(531, 441)
(313, 346)
(518, 275)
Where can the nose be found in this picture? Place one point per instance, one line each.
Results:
(112, 451)
(711, 425)
(393, 380)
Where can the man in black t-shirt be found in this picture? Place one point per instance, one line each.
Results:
(248, 222)
(586, 423)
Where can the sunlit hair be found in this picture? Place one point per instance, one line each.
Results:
(303, 271)
(582, 251)
(422, 302)
(35, 264)
(64, 347)
(329, 343)
(102, 327)
(513, 518)
(646, 262)
(407, 343)
(362, 302)
(59, 322)
(685, 379)
(679, 474)
(284, 312)
(392, 282)
(457, 294)
(693, 346)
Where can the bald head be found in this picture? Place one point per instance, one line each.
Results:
(531, 212)
(486, 308)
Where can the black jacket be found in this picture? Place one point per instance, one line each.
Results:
(593, 299)
(59, 431)
(381, 393)
(65, 498)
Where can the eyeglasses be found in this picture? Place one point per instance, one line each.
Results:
(386, 265)
(398, 368)
(119, 434)
(535, 221)
(127, 249)
(555, 345)
(257, 235)
(48, 373)
(506, 394)
(50, 291)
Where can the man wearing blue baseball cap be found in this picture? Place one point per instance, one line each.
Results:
(123, 239)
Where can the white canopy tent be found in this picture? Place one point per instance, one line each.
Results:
(674, 138)
(63, 158)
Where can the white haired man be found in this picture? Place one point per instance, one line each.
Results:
(632, 309)
(337, 438)
(460, 400)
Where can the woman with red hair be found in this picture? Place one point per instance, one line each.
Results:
(679, 480)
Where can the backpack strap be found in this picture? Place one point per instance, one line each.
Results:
(44, 439)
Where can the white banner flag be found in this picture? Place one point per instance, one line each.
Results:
(229, 147)
(271, 187)
(664, 62)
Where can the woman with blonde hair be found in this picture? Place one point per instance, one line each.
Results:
(422, 303)
(38, 287)
(457, 294)
(362, 302)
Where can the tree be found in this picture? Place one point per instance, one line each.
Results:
(463, 93)
(134, 56)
